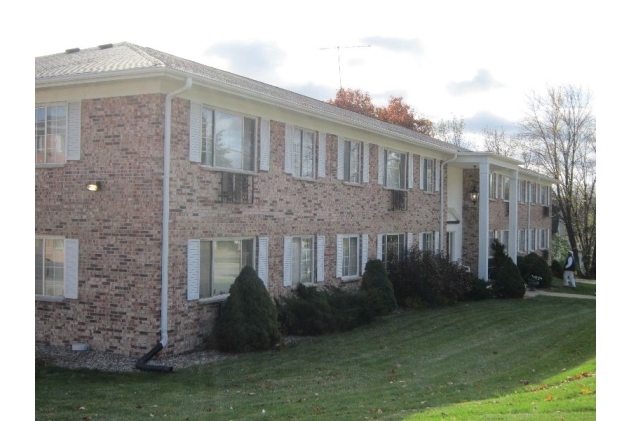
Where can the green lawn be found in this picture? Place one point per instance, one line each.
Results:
(495, 359)
(583, 288)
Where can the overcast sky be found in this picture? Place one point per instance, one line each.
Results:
(472, 60)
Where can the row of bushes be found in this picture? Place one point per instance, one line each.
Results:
(251, 321)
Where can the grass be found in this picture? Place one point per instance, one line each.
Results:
(488, 359)
(582, 288)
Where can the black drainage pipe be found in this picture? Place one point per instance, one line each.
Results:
(141, 363)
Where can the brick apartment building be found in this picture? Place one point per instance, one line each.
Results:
(195, 172)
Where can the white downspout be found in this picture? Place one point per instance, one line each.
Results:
(164, 305)
(442, 201)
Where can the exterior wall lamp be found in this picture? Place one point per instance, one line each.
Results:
(93, 186)
(474, 195)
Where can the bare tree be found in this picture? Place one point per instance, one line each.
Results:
(560, 131)
(496, 141)
(452, 131)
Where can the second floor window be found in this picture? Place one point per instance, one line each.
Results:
(304, 153)
(50, 134)
(429, 173)
(395, 169)
(228, 140)
(352, 161)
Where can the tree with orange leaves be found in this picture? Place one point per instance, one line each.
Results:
(396, 112)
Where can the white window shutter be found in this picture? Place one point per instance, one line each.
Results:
(71, 268)
(436, 175)
(410, 171)
(410, 239)
(380, 247)
(339, 257)
(287, 262)
(364, 253)
(73, 151)
(366, 167)
(195, 133)
(320, 261)
(289, 149)
(265, 144)
(263, 261)
(380, 166)
(436, 241)
(340, 158)
(421, 173)
(193, 264)
(321, 154)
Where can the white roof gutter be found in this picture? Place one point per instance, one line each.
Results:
(164, 305)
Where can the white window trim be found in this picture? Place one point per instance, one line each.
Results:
(194, 261)
(339, 268)
(383, 168)
(380, 238)
(71, 270)
(72, 145)
(362, 161)
(195, 138)
(425, 185)
(317, 261)
(290, 158)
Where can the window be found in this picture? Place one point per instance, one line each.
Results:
(221, 262)
(56, 267)
(543, 239)
(352, 162)
(522, 241)
(493, 185)
(505, 187)
(303, 260)
(426, 241)
(523, 191)
(391, 246)
(491, 238)
(395, 169)
(304, 153)
(50, 134)
(544, 191)
(504, 238)
(348, 259)
(533, 192)
(228, 140)
(429, 175)
(532, 240)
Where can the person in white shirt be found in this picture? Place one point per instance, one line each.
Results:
(568, 273)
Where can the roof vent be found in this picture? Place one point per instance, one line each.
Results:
(104, 46)
(73, 50)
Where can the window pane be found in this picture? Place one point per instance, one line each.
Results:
(207, 136)
(307, 154)
(228, 141)
(39, 266)
(354, 162)
(226, 265)
(54, 267)
(394, 170)
(295, 261)
(306, 260)
(353, 257)
(205, 269)
(249, 143)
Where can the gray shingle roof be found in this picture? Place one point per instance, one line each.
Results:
(124, 57)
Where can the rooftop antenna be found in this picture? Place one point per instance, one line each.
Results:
(339, 66)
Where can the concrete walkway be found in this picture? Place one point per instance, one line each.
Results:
(530, 294)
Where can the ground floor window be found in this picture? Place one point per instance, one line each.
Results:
(302, 260)
(49, 266)
(350, 256)
(426, 241)
(221, 261)
(392, 246)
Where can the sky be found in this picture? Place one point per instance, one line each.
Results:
(475, 61)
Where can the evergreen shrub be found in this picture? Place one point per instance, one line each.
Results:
(311, 311)
(378, 288)
(506, 281)
(249, 320)
(534, 265)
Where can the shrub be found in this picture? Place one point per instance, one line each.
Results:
(249, 320)
(557, 268)
(315, 312)
(426, 278)
(378, 288)
(534, 265)
(480, 290)
(506, 281)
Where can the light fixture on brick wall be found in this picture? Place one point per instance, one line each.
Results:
(94, 186)
(474, 195)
